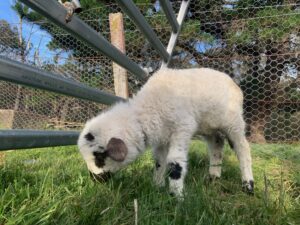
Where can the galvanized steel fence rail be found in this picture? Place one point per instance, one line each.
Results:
(21, 139)
(19, 73)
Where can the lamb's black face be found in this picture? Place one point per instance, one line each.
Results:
(101, 156)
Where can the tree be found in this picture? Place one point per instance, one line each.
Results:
(9, 42)
(23, 12)
(9, 45)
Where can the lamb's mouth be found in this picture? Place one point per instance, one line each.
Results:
(102, 177)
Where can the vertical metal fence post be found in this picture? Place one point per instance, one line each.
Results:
(174, 36)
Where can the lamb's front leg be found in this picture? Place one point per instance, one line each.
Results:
(177, 168)
(178, 154)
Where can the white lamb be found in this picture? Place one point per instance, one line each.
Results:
(166, 113)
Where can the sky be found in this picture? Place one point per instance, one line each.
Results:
(6, 12)
(38, 38)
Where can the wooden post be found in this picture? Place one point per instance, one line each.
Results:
(6, 122)
(118, 40)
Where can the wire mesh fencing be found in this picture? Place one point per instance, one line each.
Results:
(256, 42)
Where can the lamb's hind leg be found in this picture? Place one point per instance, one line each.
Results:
(236, 135)
(215, 144)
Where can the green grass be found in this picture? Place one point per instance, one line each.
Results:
(52, 186)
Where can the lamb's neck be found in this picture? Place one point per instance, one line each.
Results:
(137, 135)
(142, 139)
(130, 129)
(148, 125)
(146, 136)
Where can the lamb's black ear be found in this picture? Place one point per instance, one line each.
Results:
(116, 149)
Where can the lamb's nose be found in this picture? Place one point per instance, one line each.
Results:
(102, 177)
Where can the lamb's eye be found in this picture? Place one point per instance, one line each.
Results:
(89, 137)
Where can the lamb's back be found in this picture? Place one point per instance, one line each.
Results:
(173, 96)
(190, 85)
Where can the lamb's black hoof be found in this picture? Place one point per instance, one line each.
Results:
(248, 187)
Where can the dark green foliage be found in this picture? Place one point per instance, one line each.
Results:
(10, 41)
(25, 13)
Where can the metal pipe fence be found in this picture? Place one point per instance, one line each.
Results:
(167, 7)
(56, 13)
(20, 139)
(19, 73)
(132, 11)
(251, 42)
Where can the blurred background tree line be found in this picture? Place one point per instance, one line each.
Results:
(256, 42)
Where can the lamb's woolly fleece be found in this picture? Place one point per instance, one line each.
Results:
(173, 104)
